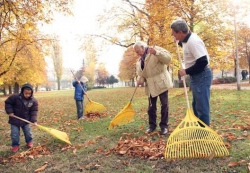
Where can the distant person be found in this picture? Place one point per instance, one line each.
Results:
(25, 106)
(244, 74)
(152, 69)
(79, 96)
(196, 60)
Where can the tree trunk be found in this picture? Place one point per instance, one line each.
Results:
(222, 73)
(58, 83)
(133, 82)
(4, 91)
(16, 88)
(36, 89)
(235, 68)
(10, 90)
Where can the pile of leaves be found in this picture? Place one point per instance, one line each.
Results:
(92, 116)
(32, 153)
(140, 147)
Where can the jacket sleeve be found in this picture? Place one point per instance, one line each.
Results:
(33, 111)
(74, 83)
(163, 56)
(198, 67)
(9, 104)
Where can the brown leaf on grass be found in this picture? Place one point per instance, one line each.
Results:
(92, 166)
(122, 151)
(141, 127)
(248, 165)
(245, 134)
(78, 146)
(211, 155)
(141, 147)
(126, 163)
(228, 145)
(90, 142)
(41, 169)
(66, 148)
(97, 166)
(99, 150)
(32, 153)
(237, 163)
(74, 151)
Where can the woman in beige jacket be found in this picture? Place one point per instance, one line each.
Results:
(152, 69)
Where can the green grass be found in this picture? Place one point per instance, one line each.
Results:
(229, 110)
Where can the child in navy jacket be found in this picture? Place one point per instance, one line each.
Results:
(79, 96)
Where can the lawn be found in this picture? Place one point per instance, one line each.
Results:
(93, 143)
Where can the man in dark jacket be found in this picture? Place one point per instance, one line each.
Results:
(25, 106)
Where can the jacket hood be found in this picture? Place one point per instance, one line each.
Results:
(84, 79)
(27, 85)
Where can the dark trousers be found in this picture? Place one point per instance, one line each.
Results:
(80, 108)
(164, 110)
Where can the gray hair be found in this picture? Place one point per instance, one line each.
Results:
(139, 44)
(179, 25)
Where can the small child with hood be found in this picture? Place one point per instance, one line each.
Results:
(25, 106)
(79, 96)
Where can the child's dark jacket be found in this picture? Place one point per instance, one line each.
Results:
(21, 107)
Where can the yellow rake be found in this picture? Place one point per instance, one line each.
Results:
(190, 139)
(126, 115)
(56, 133)
(91, 105)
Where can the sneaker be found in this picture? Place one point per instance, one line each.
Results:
(15, 149)
(150, 130)
(164, 131)
(30, 144)
(82, 118)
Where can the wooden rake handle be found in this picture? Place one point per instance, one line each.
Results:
(183, 77)
(18, 117)
(133, 94)
(79, 84)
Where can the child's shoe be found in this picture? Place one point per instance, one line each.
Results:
(82, 118)
(15, 149)
(30, 144)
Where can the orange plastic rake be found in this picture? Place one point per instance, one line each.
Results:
(190, 139)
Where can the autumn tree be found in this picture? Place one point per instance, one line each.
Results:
(18, 17)
(91, 55)
(57, 58)
(29, 65)
(244, 47)
(101, 74)
(127, 67)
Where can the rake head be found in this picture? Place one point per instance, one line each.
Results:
(94, 107)
(191, 140)
(56, 133)
(126, 115)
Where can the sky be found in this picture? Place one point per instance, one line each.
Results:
(71, 28)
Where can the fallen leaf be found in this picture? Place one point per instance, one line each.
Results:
(211, 156)
(74, 151)
(141, 127)
(237, 163)
(248, 165)
(41, 169)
